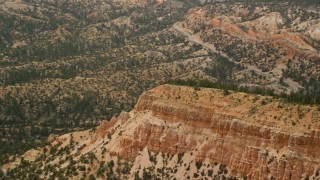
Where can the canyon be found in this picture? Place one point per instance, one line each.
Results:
(190, 133)
(68, 65)
(82, 92)
(270, 40)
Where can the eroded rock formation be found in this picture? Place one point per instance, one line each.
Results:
(249, 148)
(251, 136)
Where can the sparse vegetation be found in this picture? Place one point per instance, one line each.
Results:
(63, 77)
(299, 98)
(67, 65)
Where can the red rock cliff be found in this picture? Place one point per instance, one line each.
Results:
(254, 136)
(253, 139)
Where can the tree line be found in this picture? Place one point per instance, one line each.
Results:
(300, 97)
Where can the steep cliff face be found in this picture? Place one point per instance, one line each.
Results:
(186, 132)
(224, 129)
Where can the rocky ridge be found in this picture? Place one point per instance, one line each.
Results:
(184, 132)
(278, 39)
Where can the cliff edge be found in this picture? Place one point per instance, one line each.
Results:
(184, 132)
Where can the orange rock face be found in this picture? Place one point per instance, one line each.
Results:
(104, 128)
(179, 119)
(253, 136)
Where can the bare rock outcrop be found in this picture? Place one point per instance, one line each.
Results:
(211, 128)
(201, 130)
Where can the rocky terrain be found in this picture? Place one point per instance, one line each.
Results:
(186, 133)
(277, 41)
(68, 65)
(71, 64)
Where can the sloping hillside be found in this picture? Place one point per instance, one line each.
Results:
(186, 133)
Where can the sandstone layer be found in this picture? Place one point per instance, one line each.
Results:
(252, 136)
(223, 129)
